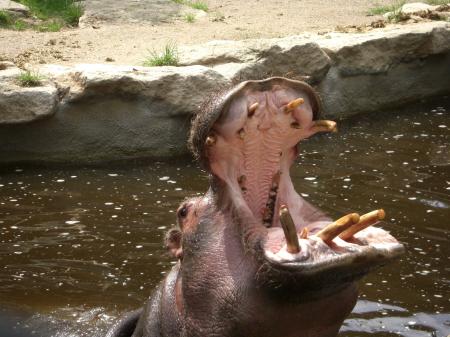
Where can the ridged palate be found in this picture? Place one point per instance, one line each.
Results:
(261, 161)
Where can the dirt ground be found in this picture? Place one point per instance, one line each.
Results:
(124, 32)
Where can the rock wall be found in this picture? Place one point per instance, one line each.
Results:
(97, 113)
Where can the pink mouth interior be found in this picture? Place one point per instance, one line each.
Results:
(250, 149)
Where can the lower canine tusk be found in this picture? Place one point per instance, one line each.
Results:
(289, 230)
(365, 221)
(324, 126)
(328, 233)
(293, 104)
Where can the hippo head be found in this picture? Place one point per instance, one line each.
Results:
(252, 234)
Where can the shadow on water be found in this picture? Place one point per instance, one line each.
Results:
(78, 246)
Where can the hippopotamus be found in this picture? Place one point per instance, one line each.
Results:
(253, 257)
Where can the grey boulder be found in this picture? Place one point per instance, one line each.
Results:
(24, 104)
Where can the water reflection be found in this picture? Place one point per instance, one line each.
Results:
(377, 319)
(80, 246)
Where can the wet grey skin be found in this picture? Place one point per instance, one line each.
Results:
(255, 258)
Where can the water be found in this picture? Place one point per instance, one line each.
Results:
(80, 246)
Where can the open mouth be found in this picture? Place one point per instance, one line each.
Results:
(251, 146)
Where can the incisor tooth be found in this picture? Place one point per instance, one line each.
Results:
(289, 230)
(365, 221)
(328, 233)
(304, 233)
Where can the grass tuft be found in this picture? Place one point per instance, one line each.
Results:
(67, 11)
(396, 13)
(29, 79)
(203, 6)
(49, 26)
(19, 25)
(5, 19)
(54, 14)
(394, 10)
(189, 17)
(73, 13)
(45, 9)
(380, 10)
(168, 57)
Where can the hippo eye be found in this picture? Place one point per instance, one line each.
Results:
(183, 212)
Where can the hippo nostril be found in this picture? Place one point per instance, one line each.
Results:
(295, 125)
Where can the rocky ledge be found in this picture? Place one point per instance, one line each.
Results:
(95, 113)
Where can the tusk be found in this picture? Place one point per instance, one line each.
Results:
(252, 109)
(324, 126)
(365, 221)
(289, 230)
(241, 133)
(210, 140)
(292, 105)
(328, 233)
(304, 233)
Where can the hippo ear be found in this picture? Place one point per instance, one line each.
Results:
(172, 241)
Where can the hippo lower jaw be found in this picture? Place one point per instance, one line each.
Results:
(327, 265)
(249, 148)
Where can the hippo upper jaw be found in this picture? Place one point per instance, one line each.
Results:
(248, 142)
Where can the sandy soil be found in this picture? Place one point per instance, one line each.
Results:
(126, 31)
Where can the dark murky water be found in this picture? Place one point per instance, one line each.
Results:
(80, 246)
